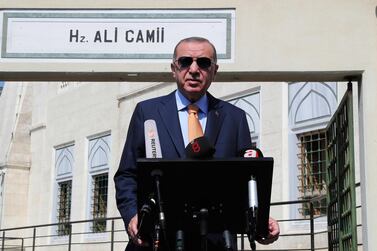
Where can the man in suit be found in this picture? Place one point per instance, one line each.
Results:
(194, 68)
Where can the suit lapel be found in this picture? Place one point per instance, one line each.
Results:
(214, 119)
(169, 115)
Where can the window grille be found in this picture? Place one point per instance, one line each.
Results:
(312, 170)
(99, 200)
(64, 207)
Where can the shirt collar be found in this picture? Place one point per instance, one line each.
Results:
(183, 102)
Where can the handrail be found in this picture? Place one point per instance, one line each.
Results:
(61, 223)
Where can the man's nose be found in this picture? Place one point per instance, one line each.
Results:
(194, 67)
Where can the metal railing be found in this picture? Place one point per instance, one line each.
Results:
(312, 233)
(45, 237)
(48, 239)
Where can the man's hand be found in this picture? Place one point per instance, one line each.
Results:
(274, 231)
(132, 233)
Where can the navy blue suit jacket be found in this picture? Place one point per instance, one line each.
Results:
(226, 129)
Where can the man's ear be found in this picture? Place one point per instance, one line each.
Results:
(172, 67)
(216, 68)
(215, 71)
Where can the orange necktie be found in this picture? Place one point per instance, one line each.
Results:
(194, 128)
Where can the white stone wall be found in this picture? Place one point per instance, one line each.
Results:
(16, 111)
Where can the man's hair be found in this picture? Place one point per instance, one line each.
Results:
(196, 39)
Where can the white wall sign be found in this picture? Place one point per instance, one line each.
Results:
(104, 34)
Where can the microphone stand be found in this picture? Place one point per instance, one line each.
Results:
(228, 242)
(251, 228)
(180, 241)
(156, 237)
(203, 214)
(161, 225)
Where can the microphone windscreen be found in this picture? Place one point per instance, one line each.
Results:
(200, 148)
(250, 153)
(152, 141)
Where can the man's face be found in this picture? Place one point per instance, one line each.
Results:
(194, 79)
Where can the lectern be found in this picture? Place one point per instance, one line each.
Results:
(216, 189)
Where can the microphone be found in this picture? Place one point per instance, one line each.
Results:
(252, 184)
(252, 211)
(253, 195)
(152, 141)
(147, 214)
(200, 148)
(153, 150)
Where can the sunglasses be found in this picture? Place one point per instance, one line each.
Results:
(185, 62)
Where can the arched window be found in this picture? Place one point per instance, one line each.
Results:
(251, 105)
(98, 161)
(64, 162)
(311, 105)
